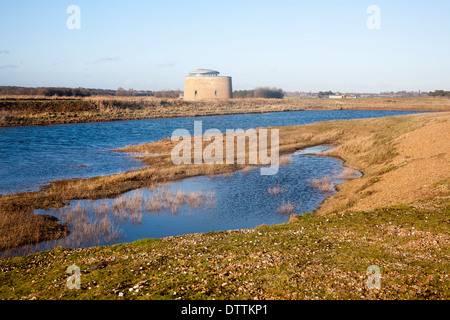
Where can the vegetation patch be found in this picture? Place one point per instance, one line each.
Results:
(312, 257)
(45, 109)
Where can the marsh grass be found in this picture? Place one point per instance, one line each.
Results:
(87, 227)
(347, 174)
(18, 229)
(326, 184)
(285, 160)
(99, 222)
(248, 169)
(275, 190)
(323, 184)
(38, 110)
(162, 198)
(287, 208)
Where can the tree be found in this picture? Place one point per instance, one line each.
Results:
(439, 93)
(243, 94)
(323, 94)
(270, 93)
(168, 94)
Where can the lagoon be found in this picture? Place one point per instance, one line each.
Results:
(31, 157)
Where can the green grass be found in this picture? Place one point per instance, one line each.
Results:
(323, 257)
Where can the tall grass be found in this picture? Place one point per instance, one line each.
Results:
(87, 226)
(275, 190)
(18, 229)
(286, 208)
(323, 184)
(38, 110)
(285, 160)
(347, 174)
(164, 199)
(99, 222)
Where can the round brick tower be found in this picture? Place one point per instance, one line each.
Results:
(205, 84)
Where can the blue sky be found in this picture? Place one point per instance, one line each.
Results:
(294, 45)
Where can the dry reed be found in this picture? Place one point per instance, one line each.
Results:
(347, 174)
(286, 208)
(285, 160)
(248, 169)
(323, 184)
(276, 190)
(41, 110)
(98, 222)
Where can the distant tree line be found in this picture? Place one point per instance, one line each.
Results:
(168, 94)
(323, 94)
(266, 92)
(439, 93)
(243, 94)
(131, 93)
(83, 92)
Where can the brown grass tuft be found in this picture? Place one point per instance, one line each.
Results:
(276, 190)
(323, 184)
(286, 208)
(347, 174)
(285, 160)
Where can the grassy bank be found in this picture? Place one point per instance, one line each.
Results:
(396, 216)
(45, 111)
(312, 257)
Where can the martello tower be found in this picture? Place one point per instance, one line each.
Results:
(206, 84)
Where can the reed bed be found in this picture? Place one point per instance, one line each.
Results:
(87, 227)
(248, 169)
(164, 199)
(17, 230)
(323, 184)
(326, 184)
(347, 174)
(285, 160)
(99, 222)
(287, 208)
(39, 110)
(276, 190)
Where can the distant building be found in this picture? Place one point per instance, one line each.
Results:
(336, 96)
(206, 84)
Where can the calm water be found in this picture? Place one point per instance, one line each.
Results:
(240, 200)
(33, 156)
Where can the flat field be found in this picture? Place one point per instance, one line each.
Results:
(19, 111)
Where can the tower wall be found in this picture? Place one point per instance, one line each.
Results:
(207, 88)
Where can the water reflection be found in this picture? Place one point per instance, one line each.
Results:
(32, 156)
(244, 199)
